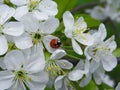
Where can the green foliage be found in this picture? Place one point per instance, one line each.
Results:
(117, 52)
(64, 5)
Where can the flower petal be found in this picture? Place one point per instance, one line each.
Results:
(76, 47)
(5, 13)
(65, 64)
(14, 59)
(2, 65)
(36, 62)
(13, 28)
(75, 75)
(109, 62)
(85, 80)
(19, 2)
(3, 45)
(6, 79)
(20, 11)
(110, 43)
(40, 15)
(49, 7)
(23, 42)
(58, 54)
(102, 32)
(81, 24)
(69, 23)
(49, 26)
(31, 24)
(85, 39)
(59, 83)
(68, 20)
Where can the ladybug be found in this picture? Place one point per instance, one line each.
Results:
(55, 43)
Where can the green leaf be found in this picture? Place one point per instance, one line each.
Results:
(64, 5)
(91, 22)
(90, 86)
(117, 52)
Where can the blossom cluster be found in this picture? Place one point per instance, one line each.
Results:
(32, 57)
(109, 9)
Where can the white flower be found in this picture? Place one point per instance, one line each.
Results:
(101, 51)
(37, 32)
(22, 70)
(9, 28)
(75, 31)
(64, 82)
(42, 9)
(98, 75)
(55, 65)
(97, 13)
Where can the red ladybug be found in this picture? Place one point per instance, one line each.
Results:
(55, 43)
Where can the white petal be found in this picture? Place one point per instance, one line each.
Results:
(2, 65)
(68, 20)
(75, 75)
(20, 11)
(108, 81)
(85, 81)
(31, 24)
(83, 65)
(76, 47)
(3, 45)
(6, 79)
(81, 24)
(13, 28)
(23, 42)
(110, 43)
(35, 66)
(46, 40)
(49, 7)
(102, 32)
(59, 83)
(40, 15)
(65, 64)
(86, 53)
(35, 62)
(18, 85)
(94, 66)
(98, 75)
(14, 59)
(19, 2)
(109, 62)
(118, 86)
(49, 26)
(5, 13)
(85, 39)
(58, 54)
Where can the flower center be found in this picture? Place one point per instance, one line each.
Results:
(36, 37)
(21, 75)
(53, 68)
(33, 4)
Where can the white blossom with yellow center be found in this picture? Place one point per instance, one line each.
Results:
(22, 70)
(101, 51)
(41, 9)
(75, 30)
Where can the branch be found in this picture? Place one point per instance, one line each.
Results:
(78, 8)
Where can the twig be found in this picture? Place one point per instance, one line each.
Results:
(78, 8)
